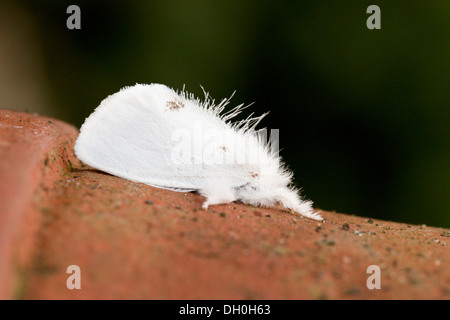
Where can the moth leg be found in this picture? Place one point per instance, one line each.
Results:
(290, 199)
(217, 194)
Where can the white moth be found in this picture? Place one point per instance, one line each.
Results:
(168, 139)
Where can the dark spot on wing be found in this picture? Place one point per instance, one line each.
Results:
(174, 104)
(253, 174)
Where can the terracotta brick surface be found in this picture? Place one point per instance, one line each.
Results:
(132, 241)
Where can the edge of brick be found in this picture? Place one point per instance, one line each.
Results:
(31, 146)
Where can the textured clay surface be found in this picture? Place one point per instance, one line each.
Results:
(132, 241)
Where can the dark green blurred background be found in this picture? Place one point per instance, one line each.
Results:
(363, 114)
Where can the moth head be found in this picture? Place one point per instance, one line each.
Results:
(264, 187)
(270, 187)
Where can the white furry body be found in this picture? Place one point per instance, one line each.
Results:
(157, 136)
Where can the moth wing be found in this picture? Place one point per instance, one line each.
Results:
(134, 134)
